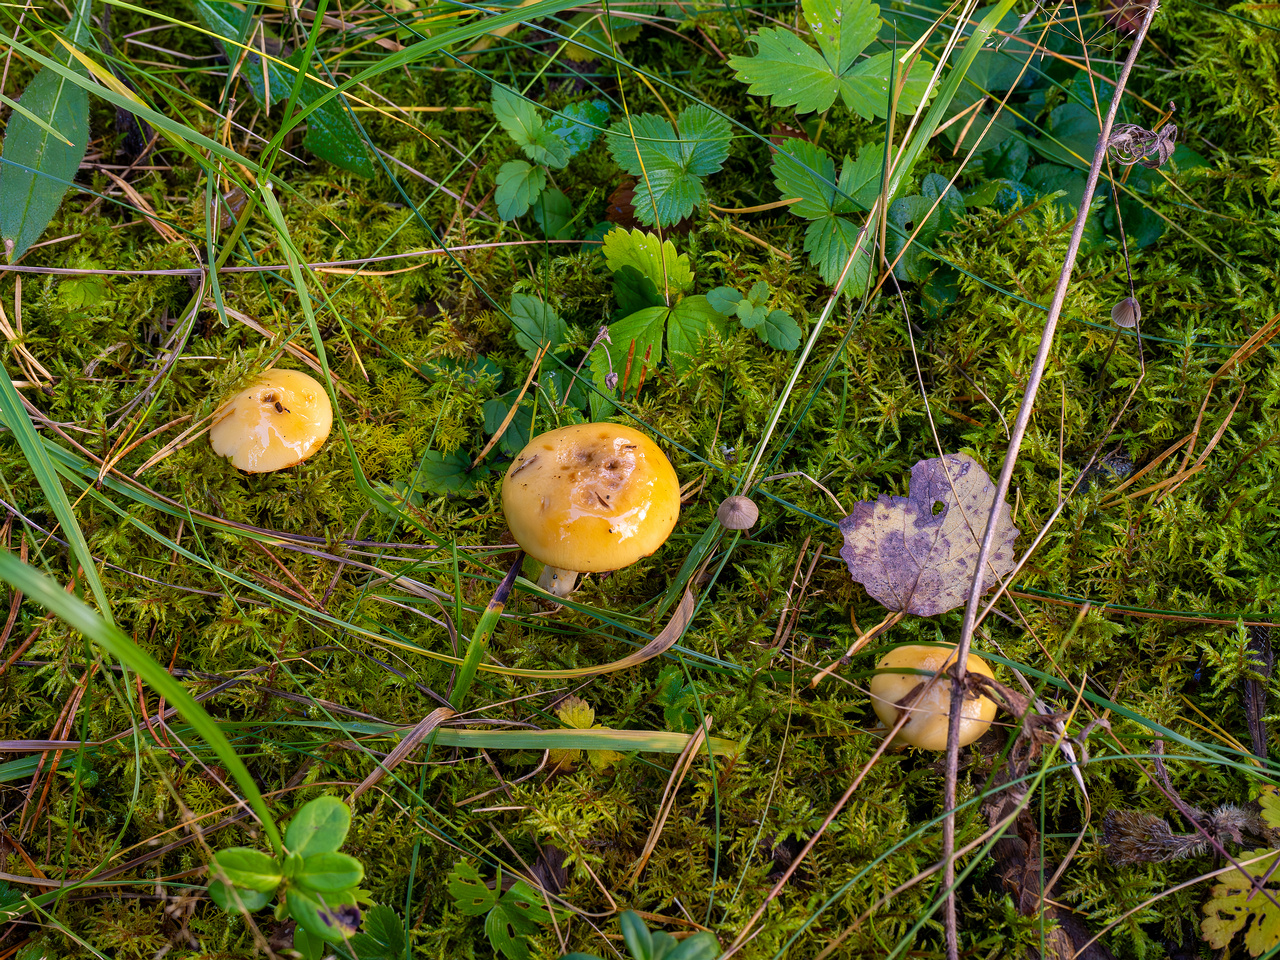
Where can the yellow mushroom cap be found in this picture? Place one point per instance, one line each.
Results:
(927, 728)
(591, 497)
(279, 421)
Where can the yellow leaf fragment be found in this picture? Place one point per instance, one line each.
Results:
(1231, 909)
(576, 713)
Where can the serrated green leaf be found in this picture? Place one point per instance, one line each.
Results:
(249, 868)
(842, 29)
(320, 826)
(724, 300)
(645, 328)
(579, 124)
(381, 936)
(669, 168)
(829, 242)
(1233, 906)
(525, 126)
(519, 430)
(860, 179)
(792, 73)
(536, 323)
(518, 185)
(250, 900)
(788, 71)
(517, 116)
(635, 291)
(39, 166)
(805, 171)
(469, 892)
(508, 931)
(330, 872)
(652, 258)
(779, 330)
(1269, 801)
(690, 321)
(447, 473)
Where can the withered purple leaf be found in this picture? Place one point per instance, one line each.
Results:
(918, 553)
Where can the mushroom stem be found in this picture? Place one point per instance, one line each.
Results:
(557, 581)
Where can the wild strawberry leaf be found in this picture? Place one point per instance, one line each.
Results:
(690, 321)
(918, 553)
(829, 242)
(669, 167)
(654, 259)
(792, 73)
(525, 126)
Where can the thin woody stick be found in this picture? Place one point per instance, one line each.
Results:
(1006, 475)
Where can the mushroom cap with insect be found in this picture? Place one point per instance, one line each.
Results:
(588, 498)
(930, 712)
(279, 421)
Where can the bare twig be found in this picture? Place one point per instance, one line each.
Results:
(1006, 476)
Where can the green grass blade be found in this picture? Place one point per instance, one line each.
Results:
(110, 638)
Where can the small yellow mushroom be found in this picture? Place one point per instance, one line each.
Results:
(927, 728)
(588, 498)
(279, 421)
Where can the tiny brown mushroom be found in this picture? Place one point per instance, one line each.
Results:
(738, 513)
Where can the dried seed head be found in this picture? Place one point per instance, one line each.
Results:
(1126, 313)
(738, 513)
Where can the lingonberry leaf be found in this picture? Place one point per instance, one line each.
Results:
(669, 167)
(790, 72)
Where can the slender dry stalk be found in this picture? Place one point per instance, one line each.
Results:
(1006, 476)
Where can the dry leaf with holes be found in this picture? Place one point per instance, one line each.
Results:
(916, 554)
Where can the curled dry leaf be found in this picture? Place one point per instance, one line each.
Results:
(917, 553)
(1130, 144)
